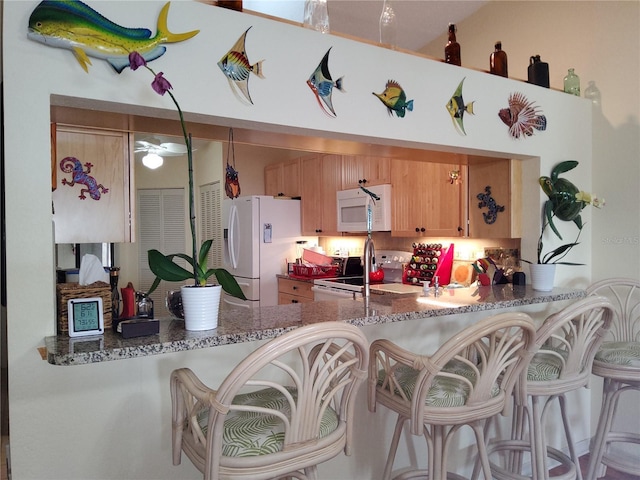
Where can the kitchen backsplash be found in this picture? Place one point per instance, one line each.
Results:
(465, 248)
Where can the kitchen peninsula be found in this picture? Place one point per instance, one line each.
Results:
(239, 326)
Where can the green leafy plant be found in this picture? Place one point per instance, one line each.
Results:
(565, 203)
(164, 266)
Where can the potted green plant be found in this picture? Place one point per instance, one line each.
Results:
(565, 203)
(163, 266)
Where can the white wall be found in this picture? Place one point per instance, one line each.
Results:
(111, 420)
(601, 40)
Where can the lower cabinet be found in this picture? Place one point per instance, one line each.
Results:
(294, 291)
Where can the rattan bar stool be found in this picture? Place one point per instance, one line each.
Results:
(466, 381)
(285, 408)
(618, 363)
(565, 346)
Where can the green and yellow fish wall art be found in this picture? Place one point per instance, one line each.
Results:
(236, 67)
(457, 108)
(395, 99)
(75, 26)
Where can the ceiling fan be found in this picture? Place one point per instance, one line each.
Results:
(163, 149)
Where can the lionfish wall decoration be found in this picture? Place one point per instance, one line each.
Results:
(321, 84)
(522, 116)
(236, 67)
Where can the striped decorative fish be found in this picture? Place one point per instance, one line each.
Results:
(522, 116)
(236, 67)
(75, 26)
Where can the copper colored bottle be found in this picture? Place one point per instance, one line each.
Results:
(452, 48)
(498, 61)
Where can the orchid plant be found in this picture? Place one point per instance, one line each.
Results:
(164, 266)
(565, 203)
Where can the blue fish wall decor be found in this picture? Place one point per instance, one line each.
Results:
(321, 84)
(75, 26)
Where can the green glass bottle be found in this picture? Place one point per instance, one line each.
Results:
(572, 83)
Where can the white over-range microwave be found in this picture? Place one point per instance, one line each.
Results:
(353, 207)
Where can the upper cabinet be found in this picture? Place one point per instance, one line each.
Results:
(283, 178)
(427, 202)
(94, 187)
(321, 179)
(494, 197)
(365, 171)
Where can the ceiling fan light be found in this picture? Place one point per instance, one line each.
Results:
(152, 161)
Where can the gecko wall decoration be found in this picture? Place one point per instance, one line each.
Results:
(79, 175)
(486, 200)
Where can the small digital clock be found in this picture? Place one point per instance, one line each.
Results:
(86, 317)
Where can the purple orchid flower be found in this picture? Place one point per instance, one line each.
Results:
(160, 84)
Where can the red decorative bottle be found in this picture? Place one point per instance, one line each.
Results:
(452, 48)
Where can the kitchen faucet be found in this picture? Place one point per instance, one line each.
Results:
(369, 259)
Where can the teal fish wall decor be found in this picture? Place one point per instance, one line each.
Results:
(236, 67)
(321, 84)
(456, 108)
(395, 99)
(75, 26)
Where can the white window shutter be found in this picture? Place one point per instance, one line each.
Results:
(210, 221)
(161, 225)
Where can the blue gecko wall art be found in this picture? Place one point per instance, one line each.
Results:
(486, 200)
(79, 175)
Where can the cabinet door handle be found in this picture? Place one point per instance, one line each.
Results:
(294, 288)
(294, 301)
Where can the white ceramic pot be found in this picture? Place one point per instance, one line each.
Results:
(542, 276)
(201, 306)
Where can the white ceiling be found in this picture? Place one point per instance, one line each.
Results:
(419, 21)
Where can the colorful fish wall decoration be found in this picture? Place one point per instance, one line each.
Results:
(456, 108)
(236, 67)
(75, 26)
(321, 84)
(395, 99)
(522, 116)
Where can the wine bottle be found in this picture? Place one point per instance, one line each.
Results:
(452, 48)
(498, 61)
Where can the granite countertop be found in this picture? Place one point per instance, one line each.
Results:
(237, 326)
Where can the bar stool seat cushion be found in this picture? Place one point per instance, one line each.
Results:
(444, 391)
(247, 434)
(620, 353)
(546, 365)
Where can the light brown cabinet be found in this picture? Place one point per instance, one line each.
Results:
(282, 178)
(321, 179)
(294, 291)
(365, 170)
(93, 172)
(425, 201)
(502, 178)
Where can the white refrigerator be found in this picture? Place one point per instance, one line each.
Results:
(260, 235)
